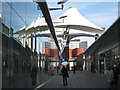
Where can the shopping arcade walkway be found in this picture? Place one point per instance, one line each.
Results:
(78, 80)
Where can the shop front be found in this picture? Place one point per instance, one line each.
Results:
(106, 49)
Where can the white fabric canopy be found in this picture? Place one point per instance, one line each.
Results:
(61, 34)
(37, 23)
(40, 24)
(71, 18)
(43, 34)
(74, 20)
(33, 27)
(21, 31)
(30, 28)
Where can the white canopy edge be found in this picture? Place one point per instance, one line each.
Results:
(21, 31)
(37, 23)
(75, 20)
(30, 26)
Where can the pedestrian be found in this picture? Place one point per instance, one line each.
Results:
(29, 67)
(81, 67)
(65, 75)
(57, 69)
(116, 75)
(40, 68)
(74, 69)
(23, 67)
(34, 74)
(109, 75)
(92, 67)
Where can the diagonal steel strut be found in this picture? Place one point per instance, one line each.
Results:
(45, 11)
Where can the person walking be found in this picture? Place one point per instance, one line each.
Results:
(92, 68)
(74, 69)
(65, 75)
(23, 67)
(81, 68)
(109, 75)
(116, 75)
(34, 74)
(29, 67)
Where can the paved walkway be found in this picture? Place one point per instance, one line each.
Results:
(41, 78)
(78, 80)
(24, 80)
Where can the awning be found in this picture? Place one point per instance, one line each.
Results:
(74, 20)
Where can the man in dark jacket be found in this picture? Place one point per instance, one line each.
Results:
(34, 74)
(65, 75)
(116, 73)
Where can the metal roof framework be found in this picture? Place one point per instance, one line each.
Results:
(45, 11)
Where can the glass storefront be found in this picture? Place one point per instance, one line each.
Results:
(16, 61)
(110, 57)
(113, 56)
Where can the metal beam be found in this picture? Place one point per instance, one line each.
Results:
(45, 11)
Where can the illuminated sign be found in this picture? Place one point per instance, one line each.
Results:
(64, 63)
